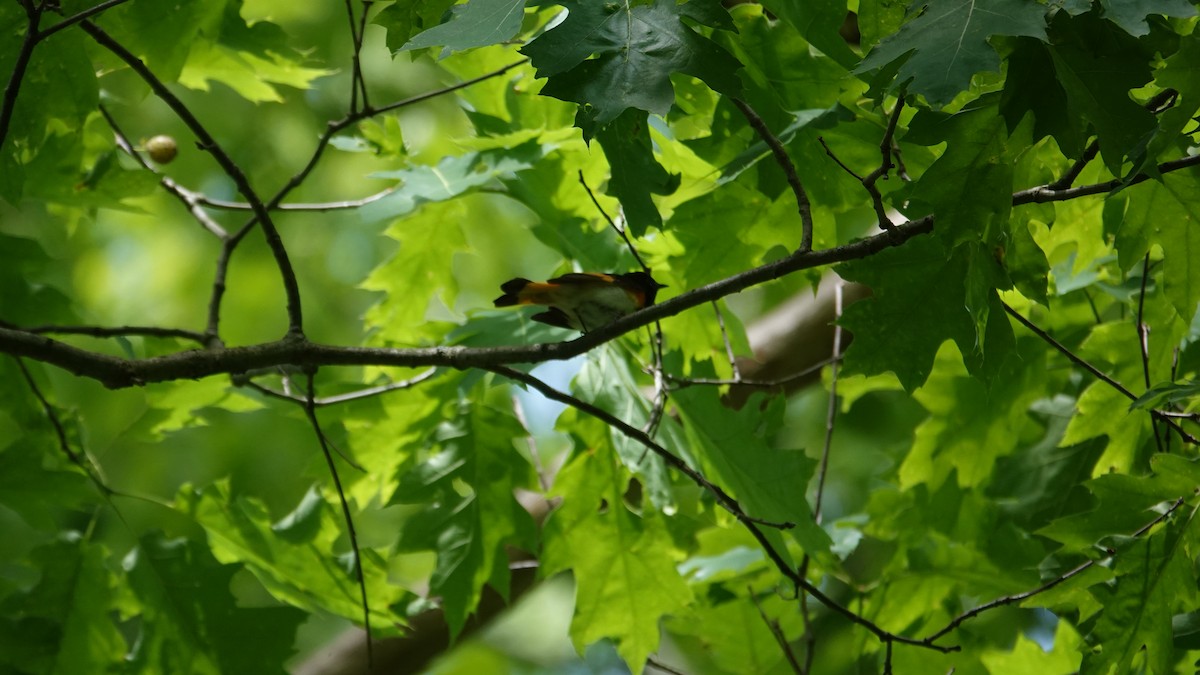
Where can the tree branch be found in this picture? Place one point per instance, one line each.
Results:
(118, 372)
(789, 170)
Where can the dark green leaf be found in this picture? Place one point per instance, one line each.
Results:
(478, 23)
(946, 44)
(636, 48)
(636, 174)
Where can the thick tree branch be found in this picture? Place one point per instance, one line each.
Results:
(119, 372)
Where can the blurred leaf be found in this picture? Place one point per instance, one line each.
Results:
(302, 574)
(192, 621)
(63, 624)
(250, 75)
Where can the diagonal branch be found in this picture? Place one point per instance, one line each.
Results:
(730, 504)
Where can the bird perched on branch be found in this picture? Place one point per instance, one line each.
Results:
(582, 300)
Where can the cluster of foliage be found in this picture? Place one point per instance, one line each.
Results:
(998, 476)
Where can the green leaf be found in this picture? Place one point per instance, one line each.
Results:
(946, 44)
(63, 624)
(624, 565)
(769, 483)
(1131, 14)
(1166, 213)
(1154, 581)
(405, 18)
(1029, 656)
(162, 35)
(1168, 394)
(305, 574)
(469, 514)
(977, 155)
(919, 292)
(1124, 504)
(478, 23)
(1033, 87)
(606, 381)
(451, 177)
(191, 621)
(635, 173)
(252, 76)
(970, 425)
(819, 21)
(636, 48)
(1097, 64)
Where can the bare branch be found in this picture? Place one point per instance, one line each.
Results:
(772, 625)
(1143, 337)
(80, 16)
(192, 201)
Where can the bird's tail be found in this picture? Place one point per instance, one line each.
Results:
(512, 292)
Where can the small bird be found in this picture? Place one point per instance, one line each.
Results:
(582, 300)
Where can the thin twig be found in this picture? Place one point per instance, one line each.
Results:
(789, 170)
(1068, 178)
(659, 665)
(1047, 193)
(51, 414)
(885, 165)
(300, 206)
(661, 391)
(733, 365)
(1018, 597)
(1096, 372)
(765, 384)
(348, 396)
(90, 468)
(1143, 335)
(777, 632)
(118, 331)
(80, 16)
(191, 200)
(310, 410)
(619, 230)
(831, 412)
(20, 65)
(836, 160)
(358, 86)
